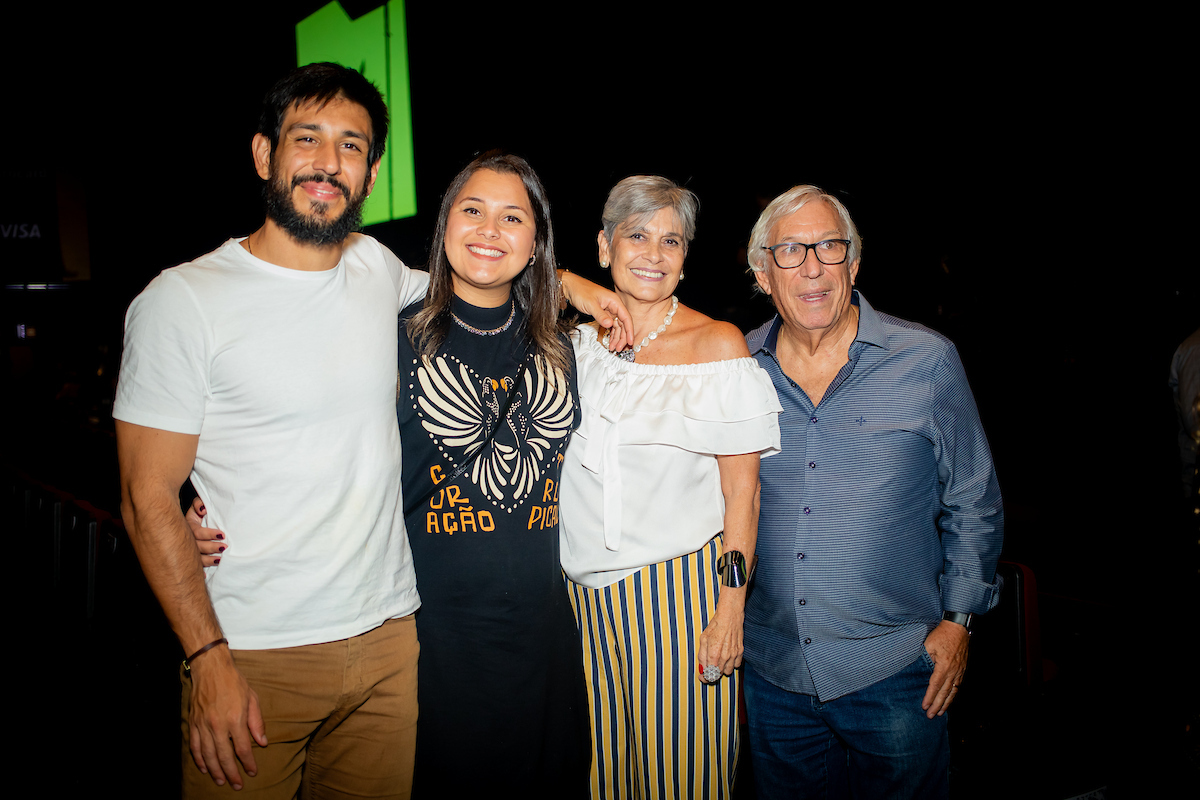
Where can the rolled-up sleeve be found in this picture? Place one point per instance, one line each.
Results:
(971, 523)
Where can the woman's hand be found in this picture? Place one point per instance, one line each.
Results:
(720, 644)
(210, 541)
(601, 304)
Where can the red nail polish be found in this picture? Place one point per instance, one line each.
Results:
(220, 549)
(220, 536)
(216, 561)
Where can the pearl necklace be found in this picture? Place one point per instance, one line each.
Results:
(630, 355)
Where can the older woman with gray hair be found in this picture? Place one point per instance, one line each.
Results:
(659, 520)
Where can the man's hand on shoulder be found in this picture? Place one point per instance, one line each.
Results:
(224, 715)
(947, 646)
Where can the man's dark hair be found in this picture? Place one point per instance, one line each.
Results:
(318, 84)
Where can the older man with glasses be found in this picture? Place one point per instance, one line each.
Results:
(880, 526)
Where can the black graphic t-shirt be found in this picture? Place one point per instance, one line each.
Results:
(502, 700)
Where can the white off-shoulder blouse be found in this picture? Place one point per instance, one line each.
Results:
(640, 482)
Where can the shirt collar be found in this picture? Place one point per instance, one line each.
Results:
(870, 324)
(870, 327)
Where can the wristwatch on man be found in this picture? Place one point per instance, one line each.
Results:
(962, 619)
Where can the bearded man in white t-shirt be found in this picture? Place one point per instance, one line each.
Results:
(267, 371)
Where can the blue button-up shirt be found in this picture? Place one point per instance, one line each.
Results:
(881, 512)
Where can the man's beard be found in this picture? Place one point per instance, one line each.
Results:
(315, 229)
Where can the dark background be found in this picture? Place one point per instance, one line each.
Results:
(1013, 184)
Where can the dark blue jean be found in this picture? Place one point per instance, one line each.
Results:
(873, 743)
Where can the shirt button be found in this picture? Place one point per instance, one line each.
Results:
(813, 420)
(803, 602)
(812, 465)
(807, 510)
(808, 641)
(800, 556)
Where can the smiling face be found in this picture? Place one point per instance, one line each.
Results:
(490, 237)
(318, 177)
(813, 297)
(646, 255)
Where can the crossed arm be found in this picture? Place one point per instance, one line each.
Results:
(224, 712)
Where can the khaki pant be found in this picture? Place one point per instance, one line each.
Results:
(341, 718)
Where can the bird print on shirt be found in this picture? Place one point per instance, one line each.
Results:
(460, 408)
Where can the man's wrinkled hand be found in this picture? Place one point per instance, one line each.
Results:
(225, 720)
(947, 646)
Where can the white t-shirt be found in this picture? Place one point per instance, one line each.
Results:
(289, 378)
(640, 481)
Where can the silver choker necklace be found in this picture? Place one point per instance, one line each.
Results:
(478, 332)
(631, 355)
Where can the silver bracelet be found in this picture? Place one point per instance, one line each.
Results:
(732, 566)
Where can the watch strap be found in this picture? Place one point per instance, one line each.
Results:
(959, 617)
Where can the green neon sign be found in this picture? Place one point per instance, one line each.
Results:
(375, 44)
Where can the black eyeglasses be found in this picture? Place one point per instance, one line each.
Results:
(789, 255)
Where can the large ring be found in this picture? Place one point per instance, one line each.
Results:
(712, 674)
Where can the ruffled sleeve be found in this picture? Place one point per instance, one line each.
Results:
(711, 409)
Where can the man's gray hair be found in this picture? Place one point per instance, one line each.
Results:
(789, 203)
(639, 197)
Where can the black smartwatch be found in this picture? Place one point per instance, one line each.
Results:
(962, 619)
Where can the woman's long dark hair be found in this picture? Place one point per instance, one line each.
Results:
(535, 289)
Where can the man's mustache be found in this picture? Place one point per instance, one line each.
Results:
(317, 178)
